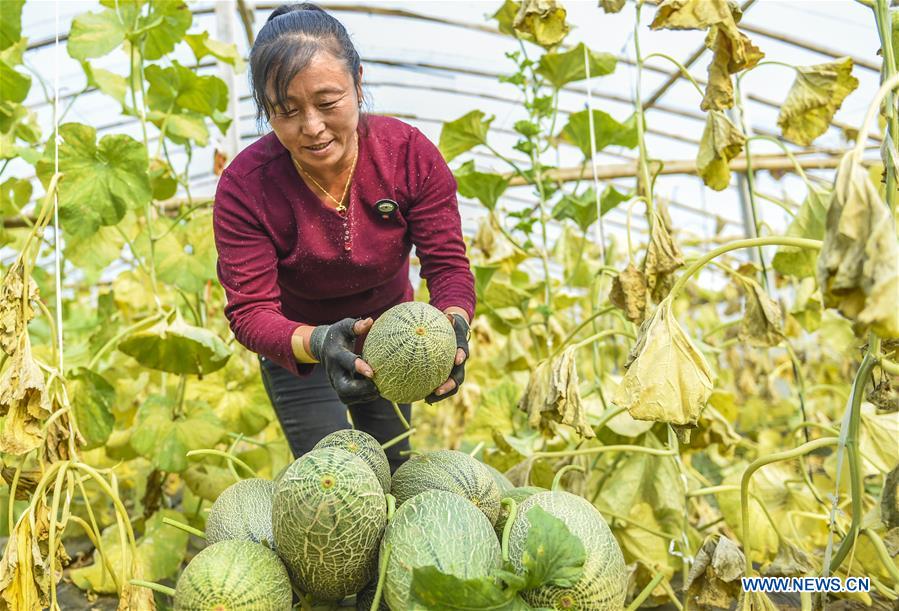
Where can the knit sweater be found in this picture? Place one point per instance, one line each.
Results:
(284, 259)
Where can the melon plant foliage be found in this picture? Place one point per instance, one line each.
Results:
(608, 336)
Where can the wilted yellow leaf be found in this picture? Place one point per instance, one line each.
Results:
(733, 52)
(612, 6)
(629, 293)
(541, 21)
(816, 94)
(668, 379)
(663, 256)
(496, 249)
(552, 395)
(24, 568)
(721, 142)
(762, 323)
(23, 401)
(858, 267)
(690, 14)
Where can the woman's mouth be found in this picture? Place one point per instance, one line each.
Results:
(319, 148)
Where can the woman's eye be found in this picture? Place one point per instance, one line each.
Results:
(327, 105)
(289, 113)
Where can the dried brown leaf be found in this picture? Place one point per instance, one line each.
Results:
(732, 52)
(721, 142)
(714, 578)
(552, 396)
(668, 379)
(629, 294)
(15, 309)
(136, 598)
(790, 562)
(612, 6)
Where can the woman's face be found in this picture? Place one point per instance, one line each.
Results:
(322, 108)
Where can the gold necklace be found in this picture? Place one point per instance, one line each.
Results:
(340, 207)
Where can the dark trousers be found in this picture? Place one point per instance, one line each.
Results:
(308, 410)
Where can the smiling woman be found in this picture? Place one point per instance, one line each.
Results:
(307, 255)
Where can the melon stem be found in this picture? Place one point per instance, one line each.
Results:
(399, 414)
(185, 527)
(507, 528)
(557, 480)
(382, 572)
(397, 439)
(156, 587)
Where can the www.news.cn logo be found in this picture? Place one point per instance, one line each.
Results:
(806, 584)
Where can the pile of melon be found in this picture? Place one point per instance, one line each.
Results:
(335, 526)
(444, 532)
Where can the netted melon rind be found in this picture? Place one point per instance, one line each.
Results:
(242, 511)
(603, 585)
(365, 447)
(448, 470)
(234, 574)
(442, 529)
(411, 348)
(328, 515)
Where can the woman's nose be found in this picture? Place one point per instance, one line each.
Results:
(312, 124)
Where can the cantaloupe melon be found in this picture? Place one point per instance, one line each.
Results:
(448, 470)
(440, 529)
(365, 447)
(234, 574)
(328, 515)
(411, 349)
(242, 511)
(603, 584)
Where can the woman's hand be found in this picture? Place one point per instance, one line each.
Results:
(350, 376)
(457, 374)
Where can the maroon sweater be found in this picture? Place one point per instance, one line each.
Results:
(281, 254)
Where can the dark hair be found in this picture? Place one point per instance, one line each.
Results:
(290, 38)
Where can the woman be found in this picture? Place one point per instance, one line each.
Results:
(314, 223)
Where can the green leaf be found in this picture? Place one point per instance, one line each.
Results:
(552, 555)
(606, 131)
(463, 134)
(236, 395)
(437, 591)
(92, 400)
(160, 552)
(202, 46)
(482, 276)
(165, 440)
(816, 95)
(808, 223)
(110, 83)
(206, 480)
(18, 123)
(171, 19)
(485, 187)
(102, 181)
(162, 179)
(563, 68)
(580, 208)
(10, 22)
(610, 199)
(185, 253)
(13, 84)
(95, 34)
(177, 347)
(14, 193)
(505, 16)
(721, 142)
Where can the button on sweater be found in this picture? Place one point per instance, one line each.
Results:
(282, 256)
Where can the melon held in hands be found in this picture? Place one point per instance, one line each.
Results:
(411, 348)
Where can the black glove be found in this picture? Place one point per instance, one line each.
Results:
(332, 346)
(457, 374)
